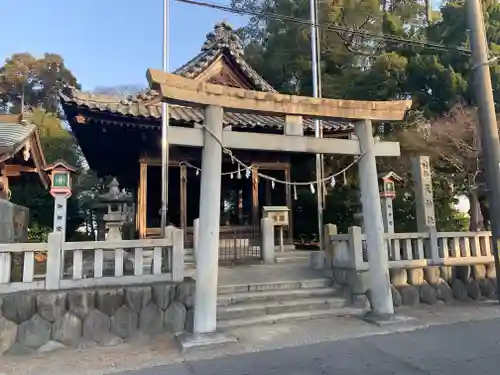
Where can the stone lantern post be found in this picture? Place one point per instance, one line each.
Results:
(387, 195)
(60, 177)
(116, 202)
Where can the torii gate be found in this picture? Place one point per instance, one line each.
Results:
(215, 99)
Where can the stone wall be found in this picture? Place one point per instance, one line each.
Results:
(51, 320)
(428, 285)
(14, 220)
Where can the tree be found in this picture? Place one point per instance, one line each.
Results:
(34, 82)
(452, 140)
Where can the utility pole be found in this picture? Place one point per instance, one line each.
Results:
(315, 53)
(487, 119)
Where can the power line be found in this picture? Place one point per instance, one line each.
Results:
(336, 28)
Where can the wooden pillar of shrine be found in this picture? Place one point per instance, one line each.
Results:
(255, 197)
(288, 196)
(183, 196)
(142, 192)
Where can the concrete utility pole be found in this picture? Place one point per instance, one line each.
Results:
(487, 118)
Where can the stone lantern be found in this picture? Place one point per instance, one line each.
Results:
(387, 195)
(116, 202)
(60, 188)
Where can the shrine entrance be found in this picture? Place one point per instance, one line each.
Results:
(215, 141)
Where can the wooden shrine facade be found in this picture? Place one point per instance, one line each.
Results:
(20, 152)
(121, 137)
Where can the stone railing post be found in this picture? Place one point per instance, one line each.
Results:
(433, 244)
(54, 261)
(356, 247)
(177, 236)
(267, 229)
(329, 230)
(196, 234)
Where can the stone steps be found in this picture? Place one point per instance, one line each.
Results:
(292, 256)
(264, 303)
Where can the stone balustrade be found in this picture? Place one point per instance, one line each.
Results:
(64, 265)
(77, 294)
(424, 267)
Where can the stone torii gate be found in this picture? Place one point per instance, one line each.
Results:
(215, 99)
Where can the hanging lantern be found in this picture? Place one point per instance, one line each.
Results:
(247, 173)
(272, 183)
(295, 192)
(332, 181)
(238, 175)
(197, 171)
(312, 188)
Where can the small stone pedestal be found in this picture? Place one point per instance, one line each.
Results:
(387, 319)
(200, 341)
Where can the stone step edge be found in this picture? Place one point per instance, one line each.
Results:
(274, 285)
(256, 297)
(295, 316)
(330, 302)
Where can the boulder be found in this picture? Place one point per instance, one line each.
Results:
(185, 292)
(151, 319)
(51, 346)
(462, 273)
(125, 322)
(487, 288)
(108, 301)
(397, 300)
(409, 295)
(163, 295)
(190, 321)
(34, 333)
(96, 326)
(81, 302)
(19, 307)
(137, 297)
(51, 306)
(427, 294)
(444, 292)
(8, 334)
(473, 289)
(67, 330)
(459, 291)
(357, 281)
(111, 340)
(175, 317)
(360, 301)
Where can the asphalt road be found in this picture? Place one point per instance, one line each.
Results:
(458, 349)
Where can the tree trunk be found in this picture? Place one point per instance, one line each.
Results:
(476, 218)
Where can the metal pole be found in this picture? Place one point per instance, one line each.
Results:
(487, 119)
(317, 124)
(164, 123)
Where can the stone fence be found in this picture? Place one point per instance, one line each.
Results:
(78, 294)
(424, 267)
(64, 265)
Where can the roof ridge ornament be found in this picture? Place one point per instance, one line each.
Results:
(223, 36)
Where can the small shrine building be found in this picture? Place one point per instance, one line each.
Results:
(122, 138)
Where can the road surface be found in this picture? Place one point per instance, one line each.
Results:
(458, 349)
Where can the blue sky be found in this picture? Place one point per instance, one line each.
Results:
(106, 42)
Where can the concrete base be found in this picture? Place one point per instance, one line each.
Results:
(386, 319)
(190, 341)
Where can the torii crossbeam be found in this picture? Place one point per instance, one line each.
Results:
(216, 99)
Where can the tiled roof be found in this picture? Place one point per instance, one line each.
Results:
(223, 40)
(137, 109)
(13, 136)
